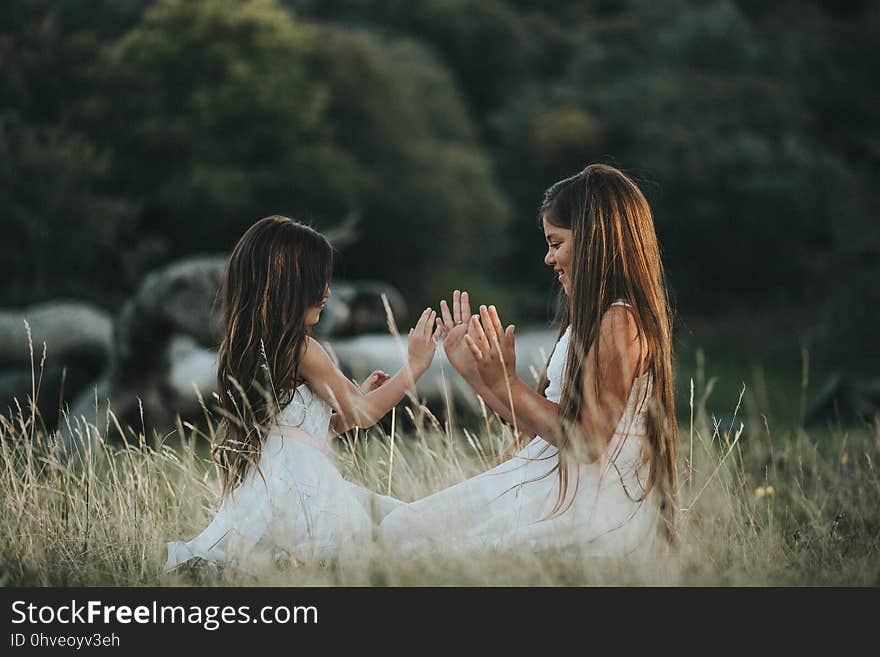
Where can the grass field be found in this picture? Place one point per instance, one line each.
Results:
(759, 504)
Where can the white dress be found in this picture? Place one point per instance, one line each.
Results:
(297, 509)
(508, 506)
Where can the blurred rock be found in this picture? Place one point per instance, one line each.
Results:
(193, 367)
(355, 307)
(845, 399)
(180, 299)
(78, 338)
(71, 329)
(58, 383)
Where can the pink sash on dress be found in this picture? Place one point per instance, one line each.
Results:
(297, 434)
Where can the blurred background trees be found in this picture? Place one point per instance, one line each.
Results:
(133, 132)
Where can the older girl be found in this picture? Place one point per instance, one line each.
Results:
(599, 473)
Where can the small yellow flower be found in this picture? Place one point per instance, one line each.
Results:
(770, 490)
(844, 458)
(760, 491)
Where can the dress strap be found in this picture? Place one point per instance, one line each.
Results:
(627, 304)
(297, 434)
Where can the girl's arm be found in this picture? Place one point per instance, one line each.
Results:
(522, 423)
(356, 408)
(620, 356)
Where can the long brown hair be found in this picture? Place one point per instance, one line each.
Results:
(615, 256)
(278, 270)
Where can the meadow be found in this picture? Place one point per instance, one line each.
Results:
(758, 505)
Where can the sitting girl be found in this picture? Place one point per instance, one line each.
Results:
(598, 476)
(283, 497)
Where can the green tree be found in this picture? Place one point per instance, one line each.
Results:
(62, 227)
(492, 48)
(63, 223)
(221, 112)
(212, 118)
(691, 103)
(432, 213)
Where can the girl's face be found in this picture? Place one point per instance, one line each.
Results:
(313, 314)
(559, 253)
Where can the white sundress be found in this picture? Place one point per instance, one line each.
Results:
(297, 509)
(508, 505)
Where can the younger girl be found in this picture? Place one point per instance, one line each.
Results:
(599, 474)
(283, 498)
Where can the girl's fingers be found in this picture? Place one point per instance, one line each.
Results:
(421, 322)
(475, 330)
(375, 380)
(475, 350)
(496, 321)
(426, 324)
(456, 307)
(465, 307)
(488, 326)
(438, 332)
(510, 341)
(447, 316)
(442, 328)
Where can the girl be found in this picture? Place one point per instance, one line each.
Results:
(599, 473)
(283, 498)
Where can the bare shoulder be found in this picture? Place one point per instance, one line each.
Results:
(620, 329)
(619, 322)
(313, 357)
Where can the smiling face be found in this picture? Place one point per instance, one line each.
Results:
(313, 314)
(558, 253)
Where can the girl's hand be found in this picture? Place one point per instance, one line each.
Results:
(422, 342)
(453, 328)
(375, 380)
(493, 349)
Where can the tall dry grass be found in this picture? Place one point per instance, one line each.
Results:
(757, 505)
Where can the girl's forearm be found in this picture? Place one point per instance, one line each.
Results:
(369, 408)
(535, 414)
(542, 416)
(501, 406)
